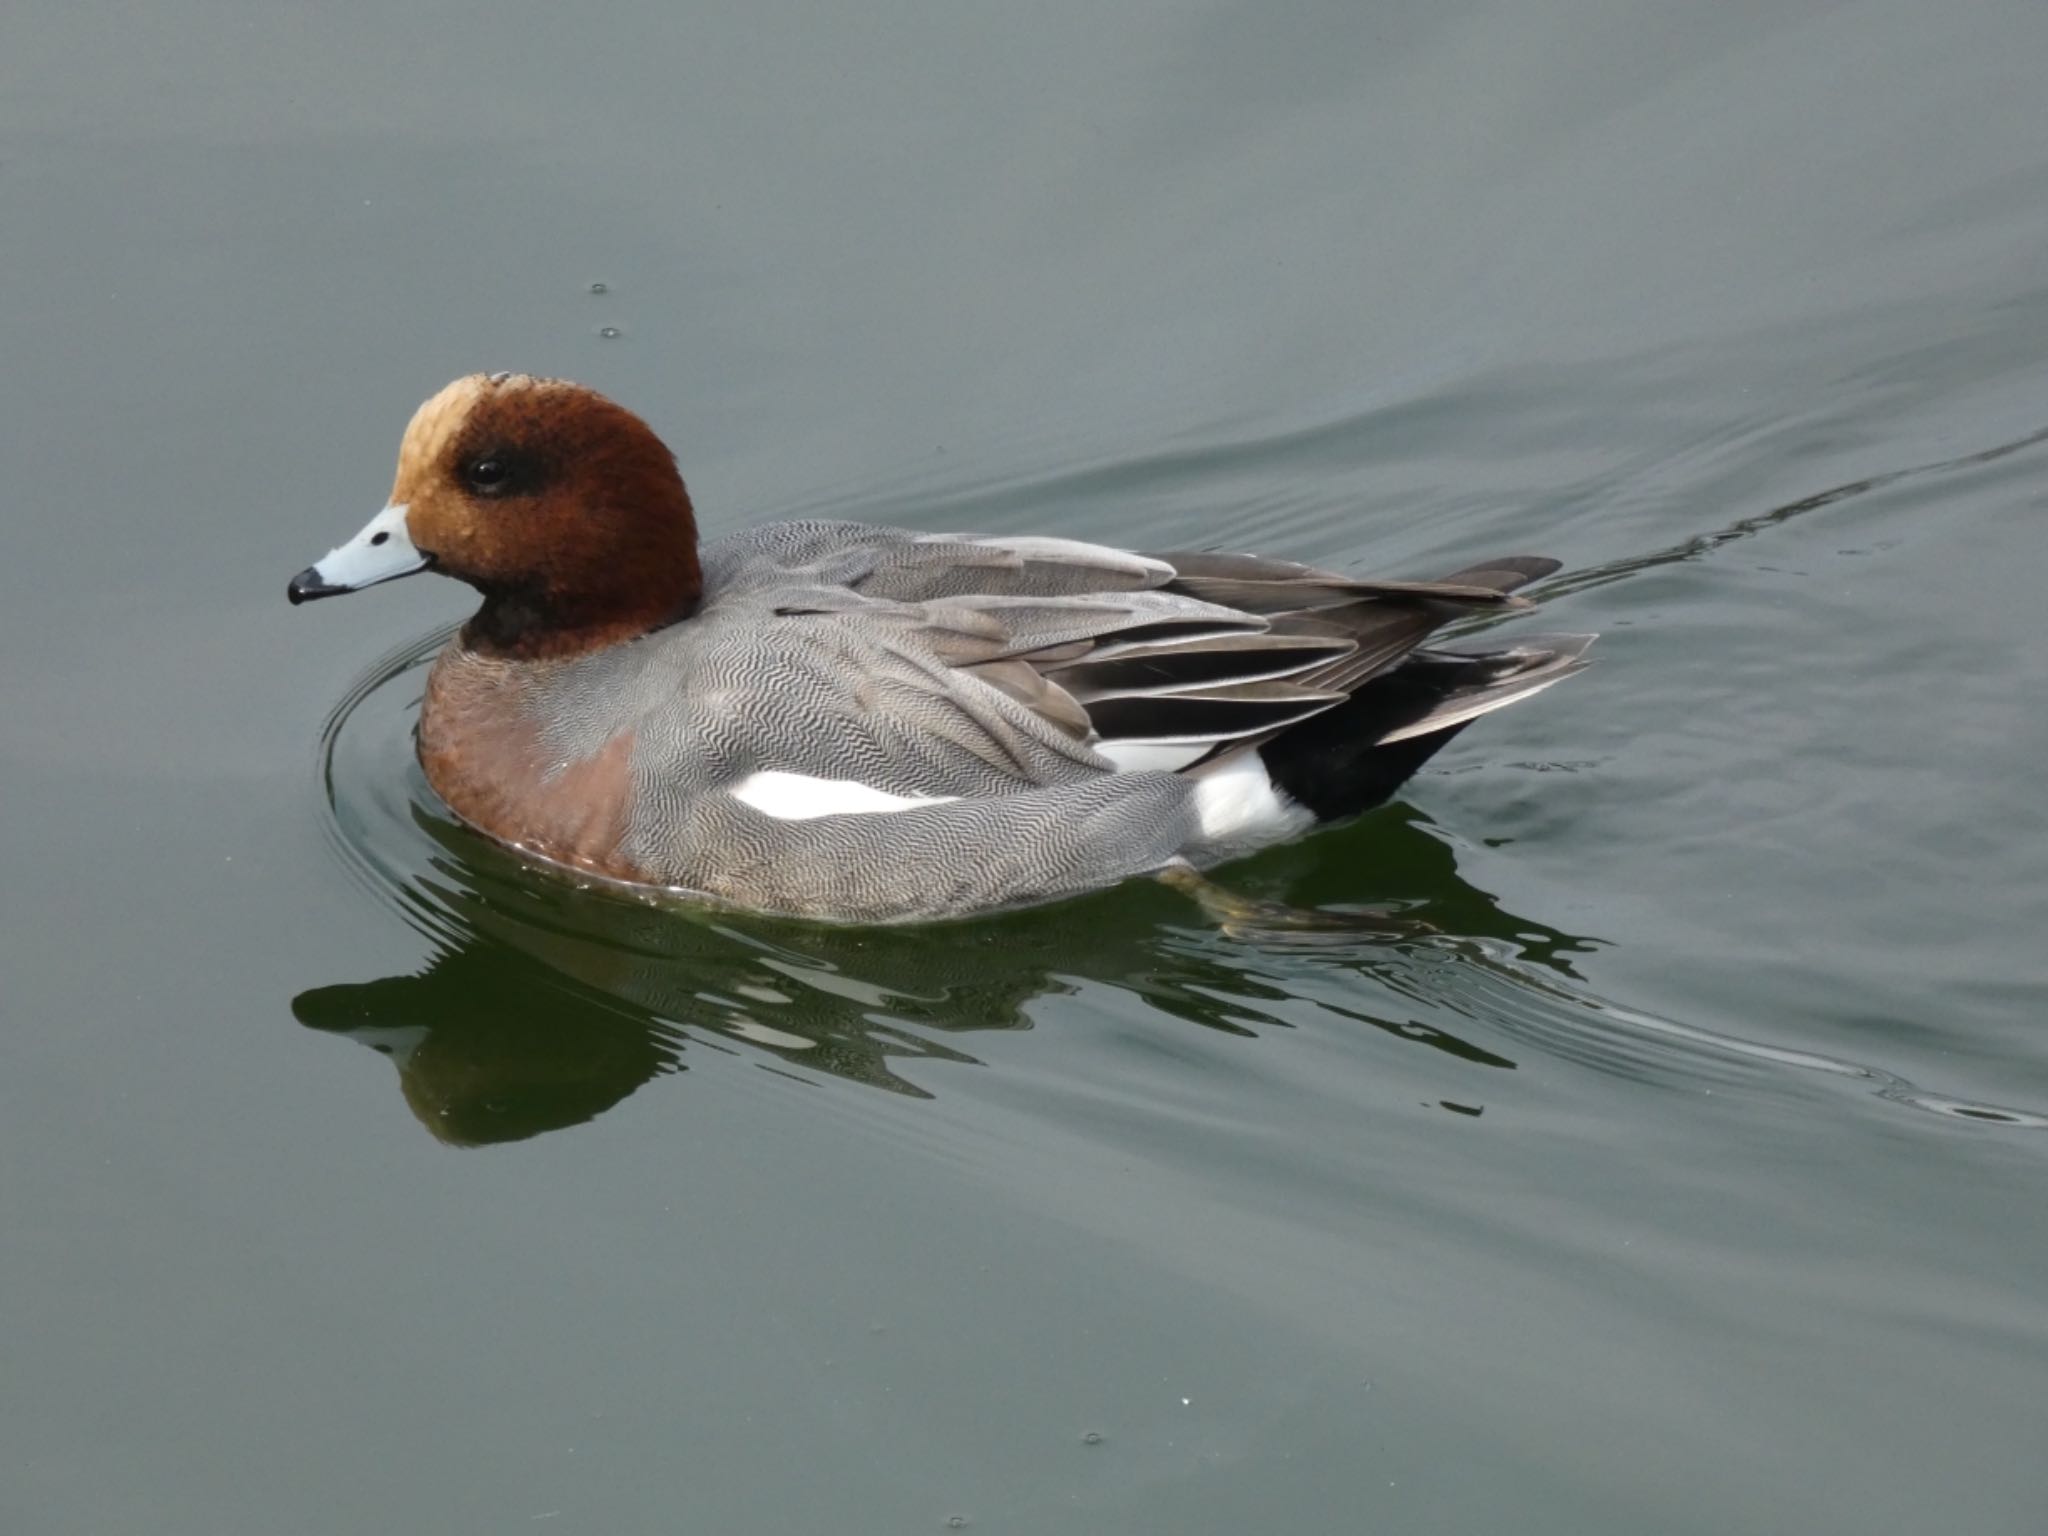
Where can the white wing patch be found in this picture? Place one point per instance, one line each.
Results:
(799, 797)
(1240, 806)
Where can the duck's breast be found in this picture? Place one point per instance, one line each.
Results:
(523, 752)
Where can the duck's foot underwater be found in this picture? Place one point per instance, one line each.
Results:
(1248, 917)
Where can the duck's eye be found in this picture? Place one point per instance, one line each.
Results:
(487, 475)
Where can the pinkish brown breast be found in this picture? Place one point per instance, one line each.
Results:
(482, 748)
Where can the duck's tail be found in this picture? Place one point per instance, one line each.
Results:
(1351, 758)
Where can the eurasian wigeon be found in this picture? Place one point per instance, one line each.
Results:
(835, 720)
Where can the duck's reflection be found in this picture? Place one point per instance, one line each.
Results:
(545, 1005)
(492, 1045)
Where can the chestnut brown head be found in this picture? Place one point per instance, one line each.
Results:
(562, 508)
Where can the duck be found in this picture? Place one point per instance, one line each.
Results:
(854, 723)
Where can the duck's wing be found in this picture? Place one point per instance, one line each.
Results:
(924, 567)
(1157, 661)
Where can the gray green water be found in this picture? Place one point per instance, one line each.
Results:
(1656, 1144)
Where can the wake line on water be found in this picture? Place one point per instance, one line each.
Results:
(1703, 544)
(1277, 927)
(1888, 1086)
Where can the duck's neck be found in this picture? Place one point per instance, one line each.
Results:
(612, 579)
(534, 626)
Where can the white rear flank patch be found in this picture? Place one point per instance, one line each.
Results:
(799, 797)
(1240, 806)
(1134, 756)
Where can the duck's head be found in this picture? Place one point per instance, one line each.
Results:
(563, 509)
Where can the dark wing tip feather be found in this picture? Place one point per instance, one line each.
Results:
(1504, 573)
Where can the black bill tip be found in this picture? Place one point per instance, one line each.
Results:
(307, 585)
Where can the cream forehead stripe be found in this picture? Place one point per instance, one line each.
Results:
(440, 419)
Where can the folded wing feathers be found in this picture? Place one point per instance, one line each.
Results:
(1093, 560)
(1531, 666)
(1041, 626)
(1190, 648)
(947, 565)
(1208, 714)
(1381, 635)
(1036, 692)
(1176, 663)
(1506, 572)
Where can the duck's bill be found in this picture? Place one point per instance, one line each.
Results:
(383, 551)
